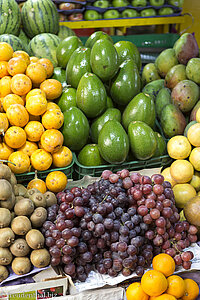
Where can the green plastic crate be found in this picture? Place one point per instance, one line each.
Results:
(26, 177)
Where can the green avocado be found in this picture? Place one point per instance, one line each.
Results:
(98, 35)
(113, 142)
(90, 156)
(75, 129)
(67, 99)
(59, 74)
(97, 125)
(141, 108)
(163, 98)
(142, 140)
(161, 148)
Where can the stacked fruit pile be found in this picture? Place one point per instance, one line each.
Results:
(117, 224)
(161, 284)
(26, 117)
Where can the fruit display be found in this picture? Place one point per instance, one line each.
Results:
(160, 283)
(117, 225)
(30, 121)
(23, 212)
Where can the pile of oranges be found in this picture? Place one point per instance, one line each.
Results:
(29, 119)
(161, 284)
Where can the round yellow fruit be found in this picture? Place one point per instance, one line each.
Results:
(193, 135)
(194, 158)
(195, 181)
(182, 193)
(167, 176)
(198, 115)
(181, 170)
(179, 147)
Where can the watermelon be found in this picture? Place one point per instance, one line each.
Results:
(10, 17)
(40, 16)
(13, 40)
(25, 40)
(45, 45)
(64, 32)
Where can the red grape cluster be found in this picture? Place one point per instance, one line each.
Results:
(116, 224)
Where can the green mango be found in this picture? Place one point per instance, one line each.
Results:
(67, 99)
(149, 73)
(66, 48)
(193, 70)
(91, 95)
(126, 84)
(78, 65)
(128, 50)
(141, 108)
(104, 60)
(98, 35)
(75, 129)
(97, 125)
(172, 121)
(59, 74)
(163, 98)
(90, 156)
(152, 88)
(175, 75)
(113, 142)
(165, 61)
(161, 148)
(142, 140)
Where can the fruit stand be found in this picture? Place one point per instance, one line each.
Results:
(99, 152)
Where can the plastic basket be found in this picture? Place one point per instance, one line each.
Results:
(26, 177)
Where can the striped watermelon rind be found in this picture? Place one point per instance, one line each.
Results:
(24, 39)
(39, 16)
(44, 45)
(10, 17)
(13, 40)
(65, 32)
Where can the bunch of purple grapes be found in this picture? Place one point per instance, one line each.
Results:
(117, 224)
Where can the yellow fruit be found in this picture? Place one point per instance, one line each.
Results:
(167, 176)
(6, 51)
(5, 151)
(17, 115)
(11, 99)
(176, 286)
(53, 119)
(37, 184)
(191, 290)
(34, 131)
(52, 105)
(198, 115)
(164, 297)
(41, 160)
(194, 158)
(195, 181)
(56, 181)
(62, 157)
(3, 123)
(28, 148)
(23, 55)
(35, 92)
(153, 283)
(179, 147)
(15, 137)
(52, 140)
(37, 73)
(164, 263)
(135, 291)
(181, 170)
(182, 193)
(21, 161)
(193, 135)
(36, 105)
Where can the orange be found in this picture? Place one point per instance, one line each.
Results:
(62, 157)
(1, 105)
(11, 99)
(135, 291)
(47, 64)
(53, 119)
(164, 263)
(16, 65)
(52, 88)
(3, 69)
(176, 286)
(165, 297)
(5, 86)
(21, 84)
(15, 137)
(194, 158)
(179, 147)
(154, 283)
(37, 73)
(6, 51)
(191, 290)
(5, 151)
(37, 184)
(52, 105)
(34, 131)
(22, 54)
(3, 123)
(193, 134)
(36, 105)
(33, 59)
(41, 160)
(56, 181)
(28, 148)
(17, 115)
(34, 92)
(52, 140)
(21, 161)
(181, 170)
(167, 176)
(182, 193)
